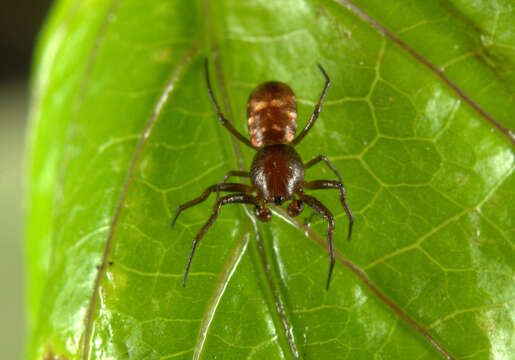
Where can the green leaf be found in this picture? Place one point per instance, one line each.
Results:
(415, 120)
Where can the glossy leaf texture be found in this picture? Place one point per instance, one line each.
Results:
(123, 132)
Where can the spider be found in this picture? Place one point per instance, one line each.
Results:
(277, 171)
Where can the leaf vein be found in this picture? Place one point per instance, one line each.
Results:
(170, 85)
(394, 38)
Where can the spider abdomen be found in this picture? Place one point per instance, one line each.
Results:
(272, 114)
(277, 172)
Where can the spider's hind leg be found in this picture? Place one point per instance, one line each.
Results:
(316, 111)
(219, 113)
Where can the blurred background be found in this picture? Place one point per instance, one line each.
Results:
(19, 25)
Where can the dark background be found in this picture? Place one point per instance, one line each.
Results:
(19, 24)
(20, 21)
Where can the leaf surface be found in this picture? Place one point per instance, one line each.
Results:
(123, 133)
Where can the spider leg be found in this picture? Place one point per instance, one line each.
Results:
(218, 187)
(228, 199)
(219, 113)
(324, 158)
(316, 112)
(331, 184)
(228, 175)
(234, 173)
(326, 214)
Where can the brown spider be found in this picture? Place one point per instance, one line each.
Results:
(277, 171)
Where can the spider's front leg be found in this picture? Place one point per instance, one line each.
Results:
(230, 174)
(228, 199)
(218, 187)
(326, 214)
(331, 184)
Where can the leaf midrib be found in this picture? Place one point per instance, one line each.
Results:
(274, 298)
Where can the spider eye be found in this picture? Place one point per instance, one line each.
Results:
(278, 200)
